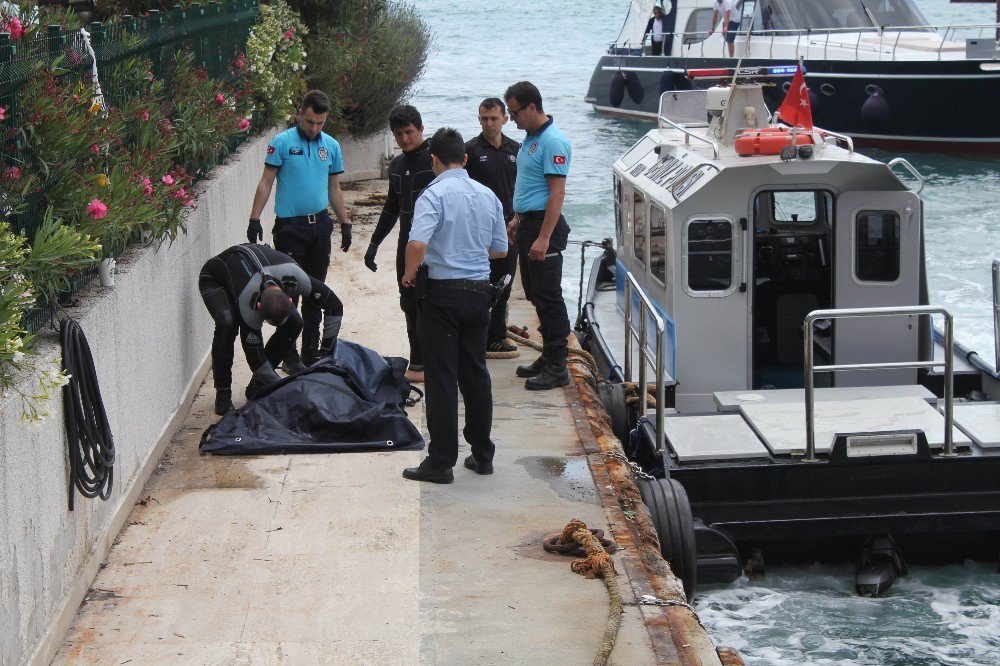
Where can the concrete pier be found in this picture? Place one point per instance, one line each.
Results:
(335, 558)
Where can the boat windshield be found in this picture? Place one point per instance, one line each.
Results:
(832, 14)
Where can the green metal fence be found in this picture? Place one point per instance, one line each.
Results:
(215, 32)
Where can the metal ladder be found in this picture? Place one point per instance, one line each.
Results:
(646, 311)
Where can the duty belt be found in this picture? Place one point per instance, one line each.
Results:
(531, 215)
(311, 218)
(477, 286)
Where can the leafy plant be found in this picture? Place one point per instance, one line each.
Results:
(275, 62)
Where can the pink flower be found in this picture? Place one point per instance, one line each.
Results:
(144, 114)
(95, 148)
(14, 27)
(147, 187)
(180, 194)
(244, 125)
(76, 98)
(191, 203)
(220, 98)
(97, 209)
(240, 61)
(289, 33)
(3, 111)
(168, 179)
(12, 173)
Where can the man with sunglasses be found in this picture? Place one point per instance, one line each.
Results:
(540, 230)
(245, 286)
(492, 161)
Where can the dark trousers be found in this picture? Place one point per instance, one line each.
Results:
(452, 329)
(215, 292)
(309, 245)
(656, 48)
(408, 304)
(498, 316)
(542, 282)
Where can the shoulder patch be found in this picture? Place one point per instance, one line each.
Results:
(559, 159)
(270, 150)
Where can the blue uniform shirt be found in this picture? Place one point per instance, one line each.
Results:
(545, 153)
(304, 170)
(459, 220)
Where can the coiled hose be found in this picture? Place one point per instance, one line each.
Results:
(91, 446)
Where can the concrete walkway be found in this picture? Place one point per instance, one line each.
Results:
(336, 558)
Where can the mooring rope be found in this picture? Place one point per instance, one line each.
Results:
(503, 354)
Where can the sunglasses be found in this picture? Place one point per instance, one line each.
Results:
(513, 112)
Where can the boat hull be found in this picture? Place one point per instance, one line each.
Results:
(942, 106)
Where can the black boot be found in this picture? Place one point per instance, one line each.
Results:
(310, 350)
(533, 369)
(424, 472)
(552, 376)
(223, 401)
(292, 363)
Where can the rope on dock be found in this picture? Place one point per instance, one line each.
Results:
(597, 564)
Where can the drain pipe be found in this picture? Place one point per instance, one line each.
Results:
(996, 302)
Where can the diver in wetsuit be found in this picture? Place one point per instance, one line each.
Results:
(409, 174)
(245, 286)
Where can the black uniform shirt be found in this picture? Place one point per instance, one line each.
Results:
(496, 168)
(409, 173)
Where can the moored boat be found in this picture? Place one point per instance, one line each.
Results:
(877, 72)
(806, 408)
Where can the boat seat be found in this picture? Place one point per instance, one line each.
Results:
(730, 401)
(712, 437)
(980, 421)
(782, 425)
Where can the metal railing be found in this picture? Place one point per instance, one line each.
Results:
(688, 135)
(912, 169)
(996, 315)
(810, 369)
(646, 311)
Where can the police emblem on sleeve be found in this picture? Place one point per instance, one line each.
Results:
(322, 152)
(270, 150)
(559, 159)
(513, 158)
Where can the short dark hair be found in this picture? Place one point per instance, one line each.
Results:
(315, 100)
(275, 305)
(448, 146)
(493, 103)
(403, 115)
(525, 93)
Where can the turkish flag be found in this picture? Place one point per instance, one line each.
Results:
(795, 109)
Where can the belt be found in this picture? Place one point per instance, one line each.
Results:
(532, 215)
(477, 286)
(311, 218)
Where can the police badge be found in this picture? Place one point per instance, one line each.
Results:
(322, 154)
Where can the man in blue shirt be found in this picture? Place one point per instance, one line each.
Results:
(540, 230)
(458, 226)
(307, 163)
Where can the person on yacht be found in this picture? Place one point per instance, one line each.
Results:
(655, 28)
(725, 9)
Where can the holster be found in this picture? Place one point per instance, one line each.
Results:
(420, 289)
(498, 290)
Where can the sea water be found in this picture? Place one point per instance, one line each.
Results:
(934, 615)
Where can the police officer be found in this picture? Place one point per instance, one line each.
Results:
(457, 228)
(492, 161)
(307, 164)
(245, 286)
(409, 173)
(540, 230)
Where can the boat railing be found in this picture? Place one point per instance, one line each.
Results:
(688, 135)
(996, 316)
(820, 39)
(646, 312)
(899, 161)
(810, 369)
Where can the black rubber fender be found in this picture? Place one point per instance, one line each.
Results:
(670, 509)
(612, 396)
(616, 89)
(667, 82)
(634, 86)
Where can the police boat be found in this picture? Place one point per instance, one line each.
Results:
(870, 66)
(766, 289)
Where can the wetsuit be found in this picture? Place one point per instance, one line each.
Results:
(409, 174)
(231, 283)
(496, 168)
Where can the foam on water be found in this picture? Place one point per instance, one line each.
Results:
(798, 615)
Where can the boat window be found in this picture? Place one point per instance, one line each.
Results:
(794, 207)
(698, 25)
(639, 228)
(710, 255)
(658, 243)
(836, 14)
(877, 250)
(618, 207)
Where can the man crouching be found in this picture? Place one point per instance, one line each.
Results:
(458, 226)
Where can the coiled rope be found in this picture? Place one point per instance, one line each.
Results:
(91, 446)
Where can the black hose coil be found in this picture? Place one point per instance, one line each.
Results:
(91, 446)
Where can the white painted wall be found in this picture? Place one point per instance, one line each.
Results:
(150, 336)
(365, 159)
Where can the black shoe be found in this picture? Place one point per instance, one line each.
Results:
(533, 369)
(292, 363)
(501, 346)
(478, 467)
(424, 472)
(253, 388)
(223, 401)
(553, 376)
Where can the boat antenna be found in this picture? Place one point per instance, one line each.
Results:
(871, 17)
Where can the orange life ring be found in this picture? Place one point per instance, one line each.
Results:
(768, 141)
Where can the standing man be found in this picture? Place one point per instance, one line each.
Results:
(457, 228)
(491, 159)
(409, 174)
(307, 164)
(724, 9)
(245, 286)
(655, 29)
(540, 230)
